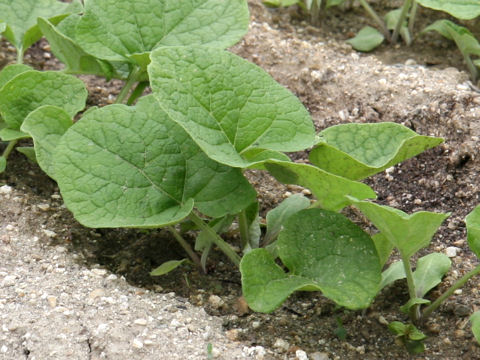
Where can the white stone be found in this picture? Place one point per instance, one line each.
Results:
(141, 322)
(301, 355)
(281, 345)
(5, 189)
(8, 280)
(137, 344)
(451, 251)
(49, 233)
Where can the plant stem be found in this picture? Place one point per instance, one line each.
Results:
(20, 53)
(471, 67)
(224, 247)
(186, 246)
(9, 148)
(376, 18)
(243, 227)
(403, 15)
(414, 311)
(412, 17)
(460, 282)
(137, 92)
(131, 80)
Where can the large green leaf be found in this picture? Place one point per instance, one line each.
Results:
(228, 105)
(329, 189)
(46, 125)
(123, 166)
(323, 251)
(32, 89)
(356, 151)
(367, 39)
(21, 17)
(464, 39)
(70, 53)
(472, 222)
(408, 233)
(461, 9)
(276, 218)
(116, 29)
(10, 71)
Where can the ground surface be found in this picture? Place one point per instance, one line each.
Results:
(63, 293)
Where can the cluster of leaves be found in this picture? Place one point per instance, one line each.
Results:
(400, 22)
(176, 158)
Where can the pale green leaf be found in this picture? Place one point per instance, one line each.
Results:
(408, 233)
(7, 134)
(461, 9)
(429, 272)
(32, 89)
(10, 71)
(383, 246)
(413, 302)
(114, 30)
(281, 3)
(3, 164)
(357, 151)
(323, 251)
(3, 26)
(394, 272)
(475, 320)
(46, 125)
(122, 166)
(472, 222)
(228, 105)
(329, 189)
(167, 266)
(21, 18)
(71, 54)
(277, 217)
(464, 39)
(366, 40)
(28, 151)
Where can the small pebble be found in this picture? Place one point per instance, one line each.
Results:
(137, 344)
(215, 302)
(451, 251)
(382, 320)
(281, 344)
(141, 322)
(5, 189)
(461, 310)
(232, 334)
(301, 355)
(52, 301)
(50, 233)
(43, 207)
(319, 356)
(99, 272)
(8, 280)
(96, 294)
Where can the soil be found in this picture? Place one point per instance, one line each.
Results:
(423, 87)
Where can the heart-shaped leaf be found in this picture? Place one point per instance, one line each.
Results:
(10, 71)
(21, 17)
(277, 217)
(115, 30)
(228, 105)
(356, 151)
(7, 134)
(461, 9)
(394, 272)
(46, 125)
(408, 233)
(472, 222)
(123, 166)
(329, 189)
(367, 39)
(70, 53)
(324, 251)
(32, 89)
